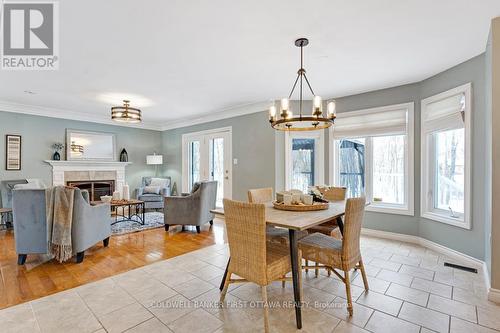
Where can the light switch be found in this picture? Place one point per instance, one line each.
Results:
(235, 161)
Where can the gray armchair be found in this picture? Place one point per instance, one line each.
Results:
(192, 209)
(91, 224)
(152, 200)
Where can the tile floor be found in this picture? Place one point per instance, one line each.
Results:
(411, 291)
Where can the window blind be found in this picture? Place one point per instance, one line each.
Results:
(444, 113)
(370, 123)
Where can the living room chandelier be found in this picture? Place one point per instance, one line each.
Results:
(286, 121)
(125, 113)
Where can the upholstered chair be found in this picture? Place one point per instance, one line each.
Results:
(343, 254)
(193, 208)
(153, 191)
(252, 257)
(91, 224)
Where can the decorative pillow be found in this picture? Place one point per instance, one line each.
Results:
(151, 190)
(161, 182)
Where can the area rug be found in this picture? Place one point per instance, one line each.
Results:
(153, 220)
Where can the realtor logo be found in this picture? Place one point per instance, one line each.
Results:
(30, 32)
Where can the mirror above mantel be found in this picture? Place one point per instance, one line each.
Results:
(90, 146)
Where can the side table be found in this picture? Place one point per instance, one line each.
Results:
(6, 217)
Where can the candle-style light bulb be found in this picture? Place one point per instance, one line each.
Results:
(272, 113)
(331, 107)
(285, 107)
(317, 106)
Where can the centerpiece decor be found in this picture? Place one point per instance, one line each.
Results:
(286, 121)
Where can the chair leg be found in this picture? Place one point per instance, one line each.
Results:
(226, 285)
(283, 283)
(266, 309)
(329, 272)
(183, 228)
(105, 242)
(363, 274)
(348, 291)
(167, 227)
(316, 270)
(198, 229)
(307, 264)
(79, 257)
(21, 259)
(211, 222)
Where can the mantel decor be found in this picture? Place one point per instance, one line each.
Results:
(12, 152)
(286, 121)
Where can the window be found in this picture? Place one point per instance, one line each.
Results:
(304, 161)
(445, 166)
(372, 156)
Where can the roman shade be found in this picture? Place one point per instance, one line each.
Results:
(446, 113)
(372, 122)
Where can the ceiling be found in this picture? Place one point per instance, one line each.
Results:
(188, 59)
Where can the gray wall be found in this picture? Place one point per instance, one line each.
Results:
(469, 242)
(39, 133)
(253, 146)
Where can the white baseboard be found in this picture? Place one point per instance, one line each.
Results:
(493, 294)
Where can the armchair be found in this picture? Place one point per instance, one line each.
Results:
(153, 200)
(91, 224)
(192, 209)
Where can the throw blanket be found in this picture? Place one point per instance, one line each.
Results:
(59, 202)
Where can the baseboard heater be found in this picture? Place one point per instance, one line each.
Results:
(463, 268)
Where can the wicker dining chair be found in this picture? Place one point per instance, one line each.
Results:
(252, 257)
(329, 228)
(342, 254)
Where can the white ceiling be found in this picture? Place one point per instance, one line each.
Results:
(176, 59)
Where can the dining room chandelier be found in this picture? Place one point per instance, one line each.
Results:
(287, 121)
(126, 113)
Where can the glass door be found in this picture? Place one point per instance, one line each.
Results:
(208, 157)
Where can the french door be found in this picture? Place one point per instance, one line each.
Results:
(207, 155)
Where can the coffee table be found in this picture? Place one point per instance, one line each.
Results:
(137, 206)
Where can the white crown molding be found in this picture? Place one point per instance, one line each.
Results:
(71, 115)
(493, 294)
(231, 112)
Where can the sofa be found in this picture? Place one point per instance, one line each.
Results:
(153, 191)
(193, 208)
(91, 224)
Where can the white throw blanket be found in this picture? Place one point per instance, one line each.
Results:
(59, 208)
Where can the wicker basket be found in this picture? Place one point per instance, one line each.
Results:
(301, 208)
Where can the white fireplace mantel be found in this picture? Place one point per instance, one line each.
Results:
(60, 167)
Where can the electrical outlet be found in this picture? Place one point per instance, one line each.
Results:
(235, 161)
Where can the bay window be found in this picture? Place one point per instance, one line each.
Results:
(372, 156)
(445, 157)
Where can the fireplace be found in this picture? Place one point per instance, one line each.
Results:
(96, 189)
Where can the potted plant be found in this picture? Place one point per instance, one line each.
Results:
(57, 147)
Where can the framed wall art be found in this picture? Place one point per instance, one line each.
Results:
(12, 152)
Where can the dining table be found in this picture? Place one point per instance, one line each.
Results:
(296, 221)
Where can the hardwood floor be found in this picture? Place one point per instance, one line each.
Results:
(39, 277)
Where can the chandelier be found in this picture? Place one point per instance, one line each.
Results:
(125, 113)
(287, 121)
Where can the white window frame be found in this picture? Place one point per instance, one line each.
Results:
(319, 156)
(408, 208)
(427, 182)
